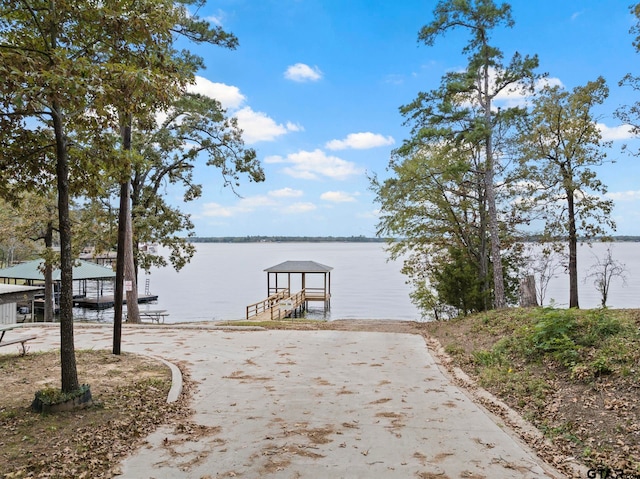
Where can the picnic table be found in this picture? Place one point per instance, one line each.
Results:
(21, 340)
(154, 315)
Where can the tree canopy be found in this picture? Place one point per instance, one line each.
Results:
(74, 74)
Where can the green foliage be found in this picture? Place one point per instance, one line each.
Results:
(489, 358)
(442, 191)
(51, 396)
(458, 284)
(553, 330)
(196, 128)
(558, 145)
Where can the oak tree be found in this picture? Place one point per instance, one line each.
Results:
(560, 144)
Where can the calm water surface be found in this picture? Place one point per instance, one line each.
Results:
(223, 278)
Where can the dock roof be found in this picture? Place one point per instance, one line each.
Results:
(299, 267)
(31, 270)
(11, 293)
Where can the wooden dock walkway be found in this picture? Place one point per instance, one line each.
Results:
(277, 306)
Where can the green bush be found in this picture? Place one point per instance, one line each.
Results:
(488, 358)
(598, 325)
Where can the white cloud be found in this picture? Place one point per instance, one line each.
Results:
(312, 165)
(517, 95)
(286, 193)
(299, 208)
(215, 20)
(621, 132)
(301, 72)
(631, 195)
(215, 209)
(360, 141)
(251, 203)
(294, 126)
(274, 159)
(257, 126)
(337, 197)
(229, 96)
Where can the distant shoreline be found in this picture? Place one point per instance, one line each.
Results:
(287, 239)
(339, 239)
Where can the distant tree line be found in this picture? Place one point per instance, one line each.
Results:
(287, 239)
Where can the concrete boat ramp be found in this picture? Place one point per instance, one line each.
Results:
(314, 404)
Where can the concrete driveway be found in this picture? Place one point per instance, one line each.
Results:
(313, 404)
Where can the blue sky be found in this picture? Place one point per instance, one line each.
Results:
(316, 86)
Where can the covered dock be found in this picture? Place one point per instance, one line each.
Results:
(291, 286)
(89, 281)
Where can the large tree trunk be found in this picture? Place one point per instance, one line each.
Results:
(124, 259)
(499, 297)
(67, 348)
(499, 300)
(120, 260)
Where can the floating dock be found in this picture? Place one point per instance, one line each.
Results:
(106, 302)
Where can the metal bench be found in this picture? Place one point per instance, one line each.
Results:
(20, 341)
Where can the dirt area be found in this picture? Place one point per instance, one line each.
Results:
(129, 394)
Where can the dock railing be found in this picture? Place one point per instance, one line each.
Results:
(265, 305)
(288, 305)
(277, 306)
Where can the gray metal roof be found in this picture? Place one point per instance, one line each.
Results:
(299, 267)
(12, 293)
(81, 270)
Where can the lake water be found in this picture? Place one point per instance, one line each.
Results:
(223, 278)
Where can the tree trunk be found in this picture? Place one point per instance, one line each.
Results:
(494, 231)
(528, 297)
(573, 252)
(119, 286)
(67, 348)
(133, 313)
(499, 300)
(49, 294)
